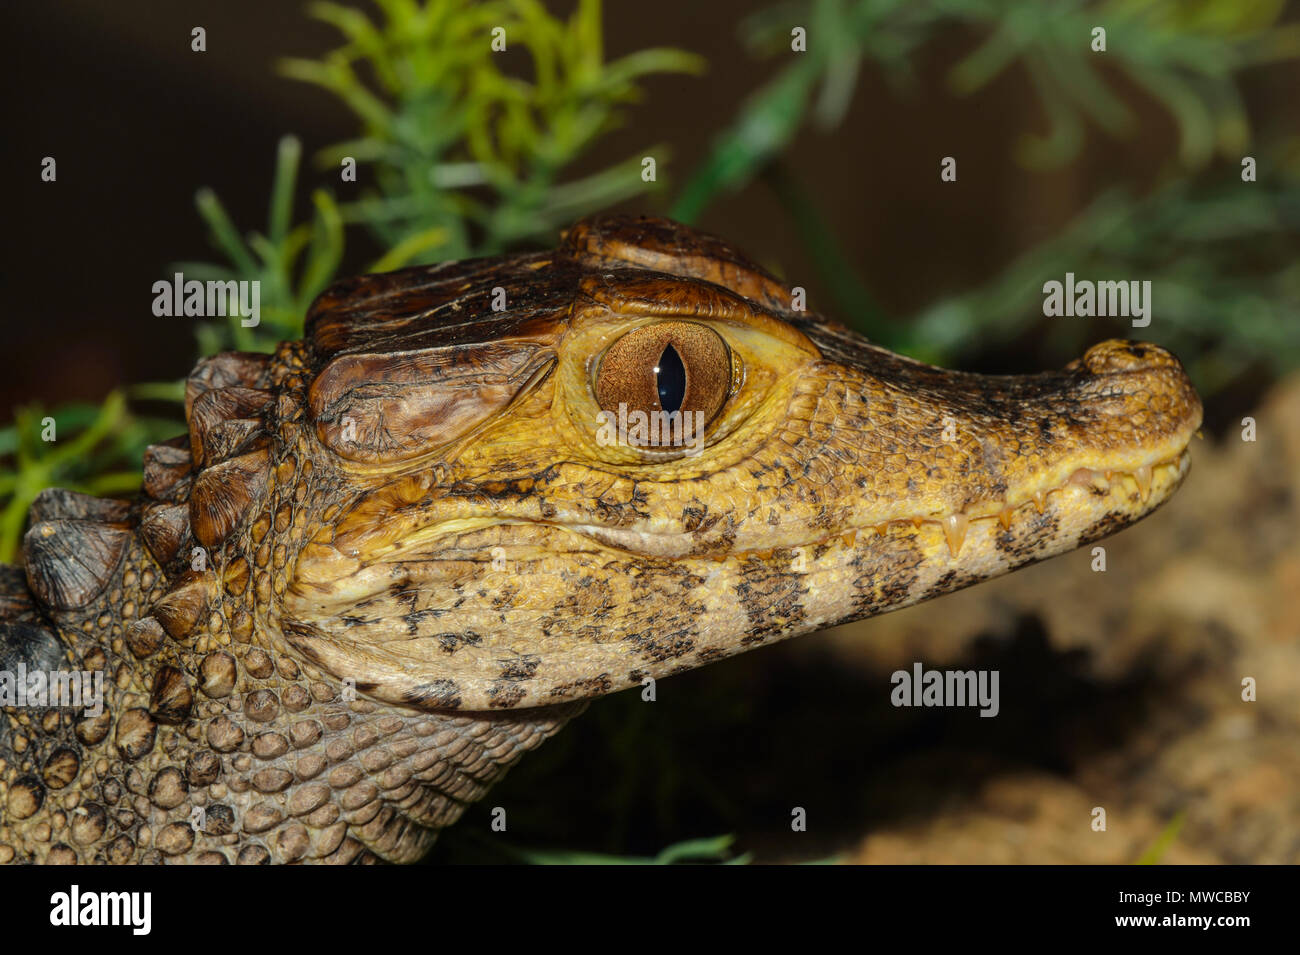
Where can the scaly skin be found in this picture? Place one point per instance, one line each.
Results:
(394, 556)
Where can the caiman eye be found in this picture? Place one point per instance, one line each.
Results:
(667, 367)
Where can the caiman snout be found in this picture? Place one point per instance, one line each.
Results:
(1117, 355)
(1141, 406)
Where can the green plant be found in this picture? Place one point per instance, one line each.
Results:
(1156, 851)
(1187, 56)
(465, 158)
(715, 849)
(1222, 255)
(291, 263)
(87, 448)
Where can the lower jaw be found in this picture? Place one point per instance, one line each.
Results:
(923, 556)
(1102, 491)
(1122, 496)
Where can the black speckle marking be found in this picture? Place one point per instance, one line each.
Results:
(523, 667)
(503, 694)
(941, 586)
(1103, 528)
(659, 647)
(439, 694)
(451, 642)
(772, 598)
(594, 686)
(695, 517)
(218, 820)
(504, 599)
(884, 579)
(1022, 547)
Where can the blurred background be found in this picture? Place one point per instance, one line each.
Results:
(1120, 690)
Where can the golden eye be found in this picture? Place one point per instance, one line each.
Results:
(666, 367)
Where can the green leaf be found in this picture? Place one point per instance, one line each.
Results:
(1156, 851)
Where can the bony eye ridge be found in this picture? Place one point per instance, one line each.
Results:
(668, 368)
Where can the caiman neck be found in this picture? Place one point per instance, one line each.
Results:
(213, 747)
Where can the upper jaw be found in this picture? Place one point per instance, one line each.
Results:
(875, 440)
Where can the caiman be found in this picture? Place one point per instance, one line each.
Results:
(396, 554)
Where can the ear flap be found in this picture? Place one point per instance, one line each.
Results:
(385, 407)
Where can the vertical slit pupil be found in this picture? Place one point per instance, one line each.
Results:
(670, 375)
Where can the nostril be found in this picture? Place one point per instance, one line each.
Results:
(1119, 356)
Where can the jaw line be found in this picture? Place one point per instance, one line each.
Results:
(1141, 490)
(1152, 484)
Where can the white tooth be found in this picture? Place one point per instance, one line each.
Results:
(1143, 477)
(954, 528)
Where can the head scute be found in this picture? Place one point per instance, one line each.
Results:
(227, 401)
(73, 546)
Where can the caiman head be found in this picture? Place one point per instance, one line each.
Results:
(528, 480)
(480, 493)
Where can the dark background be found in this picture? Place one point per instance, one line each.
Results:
(138, 122)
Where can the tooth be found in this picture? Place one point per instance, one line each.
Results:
(954, 528)
(1004, 517)
(849, 539)
(1110, 475)
(882, 528)
(1143, 477)
(1040, 500)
